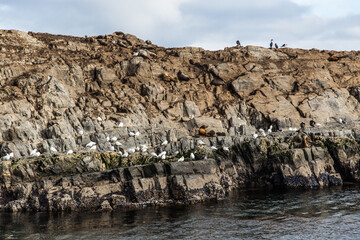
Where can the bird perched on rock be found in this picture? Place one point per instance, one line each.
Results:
(52, 149)
(154, 154)
(112, 148)
(213, 148)
(121, 124)
(99, 119)
(131, 151)
(80, 132)
(6, 157)
(117, 143)
(162, 153)
(93, 148)
(271, 43)
(125, 154)
(181, 159)
(255, 135)
(131, 134)
(107, 138)
(137, 134)
(318, 124)
(312, 123)
(262, 132)
(11, 155)
(33, 151)
(164, 143)
(192, 156)
(284, 45)
(276, 46)
(270, 129)
(90, 144)
(202, 130)
(200, 142)
(137, 149)
(69, 152)
(163, 157)
(113, 139)
(238, 44)
(226, 149)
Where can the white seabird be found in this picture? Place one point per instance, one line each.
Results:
(181, 159)
(52, 149)
(99, 119)
(318, 124)
(112, 148)
(33, 152)
(125, 155)
(118, 143)
(93, 148)
(154, 154)
(131, 134)
(121, 124)
(80, 132)
(226, 149)
(262, 132)
(107, 138)
(192, 156)
(137, 134)
(69, 152)
(255, 135)
(137, 149)
(213, 148)
(90, 144)
(164, 143)
(200, 142)
(11, 155)
(162, 154)
(131, 150)
(176, 153)
(6, 157)
(113, 139)
(163, 157)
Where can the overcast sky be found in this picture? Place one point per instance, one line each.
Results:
(211, 24)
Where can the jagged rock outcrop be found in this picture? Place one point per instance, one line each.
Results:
(60, 93)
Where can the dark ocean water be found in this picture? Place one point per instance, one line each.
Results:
(332, 213)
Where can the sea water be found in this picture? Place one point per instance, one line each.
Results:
(331, 213)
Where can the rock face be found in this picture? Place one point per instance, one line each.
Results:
(60, 93)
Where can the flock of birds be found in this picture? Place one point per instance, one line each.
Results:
(116, 143)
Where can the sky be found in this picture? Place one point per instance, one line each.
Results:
(211, 24)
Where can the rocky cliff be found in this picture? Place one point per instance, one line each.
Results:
(81, 116)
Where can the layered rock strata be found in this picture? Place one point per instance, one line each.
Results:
(73, 111)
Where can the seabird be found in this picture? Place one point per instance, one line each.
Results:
(107, 138)
(131, 134)
(213, 148)
(162, 153)
(312, 123)
(255, 135)
(200, 142)
(262, 132)
(271, 43)
(341, 121)
(137, 134)
(113, 139)
(117, 143)
(137, 149)
(99, 119)
(226, 149)
(81, 132)
(90, 144)
(164, 143)
(181, 159)
(93, 148)
(154, 154)
(11, 155)
(176, 153)
(284, 45)
(131, 151)
(33, 151)
(238, 43)
(290, 129)
(302, 126)
(144, 149)
(163, 157)
(276, 46)
(6, 157)
(120, 153)
(318, 124)
(69, 152)
(121, 124)
(270, 129)
(112, 148)
(192, 156)
(52, 149)
(125, 155)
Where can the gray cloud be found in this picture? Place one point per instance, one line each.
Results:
(210, 24)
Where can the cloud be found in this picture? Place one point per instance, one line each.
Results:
(208, 23)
